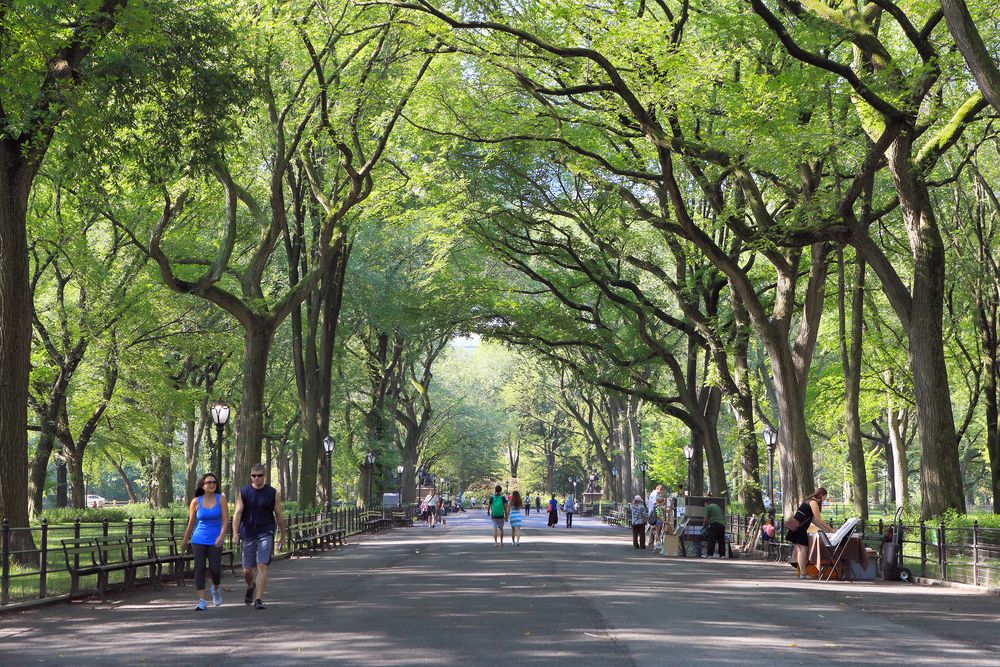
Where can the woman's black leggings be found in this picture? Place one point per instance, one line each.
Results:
(213, 554)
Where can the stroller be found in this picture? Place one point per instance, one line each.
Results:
(892, 552)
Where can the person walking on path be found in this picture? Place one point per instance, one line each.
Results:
(527, 505)
(498, 514)
(516, 505)
(553, 511)
(638, 515)
(650, 505)
(569, 507)
(807, 513)
(662, 515)
(715, 531)
(538, 504)
(208, 523)
(440, 511)
(254, 521)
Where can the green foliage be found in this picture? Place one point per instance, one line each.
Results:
(115, 514)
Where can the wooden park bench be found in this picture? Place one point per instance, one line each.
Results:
(616, 518)
(98, 556)
(142, 554)
(314, 535)
(376, 525)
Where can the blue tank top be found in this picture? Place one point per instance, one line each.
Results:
(258, 511)
(209, 525)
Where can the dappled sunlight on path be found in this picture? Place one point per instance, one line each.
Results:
(580, 596)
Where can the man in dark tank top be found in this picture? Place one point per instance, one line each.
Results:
(257, 507)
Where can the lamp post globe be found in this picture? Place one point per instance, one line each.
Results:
(399, 484)
(220, 416)
(643, 467)
(370, 462)
(770, 440)
(688, 455)
(328, 444)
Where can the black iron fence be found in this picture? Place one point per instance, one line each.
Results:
(967, 555)
(38, 571)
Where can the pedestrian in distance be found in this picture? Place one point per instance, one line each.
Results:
(767, 531)
(440, 511)
(638, 514)
(527, 505)
(661, 516)
(257, 509)
(650, 506)
(498, 514)
(208, 523)
(553, 511)
(538, 504)
(715, 531)
(516, 506)
(569, 507)
(807, 513)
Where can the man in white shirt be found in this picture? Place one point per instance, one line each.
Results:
(653, 496)
(652, 504)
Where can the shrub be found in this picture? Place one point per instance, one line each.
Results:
(113, 514)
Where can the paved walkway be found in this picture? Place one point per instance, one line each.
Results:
(580, 596)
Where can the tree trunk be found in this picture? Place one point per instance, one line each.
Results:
(78, 489)
(794, 448)
(15, 344)
(190, 460)
(940, 478)
(897, 445)
(550, 471)
(62, 483)
(40, 470)
(988, 335)
(129, 487)
(970, 43)
(293, 478)
(741, 404)
(250, 414)
(851, 361)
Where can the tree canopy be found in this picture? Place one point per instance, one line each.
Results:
(486, 241)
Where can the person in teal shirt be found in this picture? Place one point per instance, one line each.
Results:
(715, 531)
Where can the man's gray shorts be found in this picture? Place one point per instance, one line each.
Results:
(257, 551)
(498, 522)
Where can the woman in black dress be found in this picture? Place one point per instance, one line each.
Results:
(807, 513)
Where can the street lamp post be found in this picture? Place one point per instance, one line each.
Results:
(770, 439)
(220, 415)
(614, 480)
(688, 454)
(328, 448)
(399, 483)
(643, 467)
(370, 462)
(574, 480)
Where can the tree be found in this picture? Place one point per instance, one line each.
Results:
(306, 122)
(52, 65)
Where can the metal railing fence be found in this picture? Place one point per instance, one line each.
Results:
(959, 554)
(39, 572)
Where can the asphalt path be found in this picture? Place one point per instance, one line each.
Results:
(579, 596)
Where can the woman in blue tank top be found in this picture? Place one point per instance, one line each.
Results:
(208, 521)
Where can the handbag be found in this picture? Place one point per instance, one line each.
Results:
(651, 519)
(793, 524)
